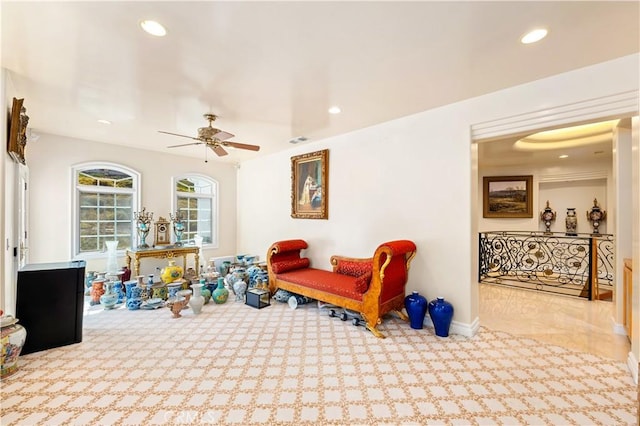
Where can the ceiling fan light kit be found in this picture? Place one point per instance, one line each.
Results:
(215, 139)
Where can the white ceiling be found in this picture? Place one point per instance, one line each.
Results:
(271, 70)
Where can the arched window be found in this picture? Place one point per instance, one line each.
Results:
(196, 199)
(105, 197)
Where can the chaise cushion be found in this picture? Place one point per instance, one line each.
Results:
(355, 269)
(290, 265)
(330, 282)
(360, 270)
(362, 282)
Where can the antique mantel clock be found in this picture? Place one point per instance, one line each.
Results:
(163, 233)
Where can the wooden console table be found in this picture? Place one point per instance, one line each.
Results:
(168, 252)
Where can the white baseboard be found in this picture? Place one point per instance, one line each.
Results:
(460, 328)
(618, 328)
(632, 364)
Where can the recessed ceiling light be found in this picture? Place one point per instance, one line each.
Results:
(153, 28)
(335, 110)
(563, 156)
(101, 121)
(533, 36)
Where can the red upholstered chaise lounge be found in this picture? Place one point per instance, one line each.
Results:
(372, 287)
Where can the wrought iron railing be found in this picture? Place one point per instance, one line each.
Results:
(579, 265)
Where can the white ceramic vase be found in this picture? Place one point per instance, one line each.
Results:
(112, 256)
(197, 299)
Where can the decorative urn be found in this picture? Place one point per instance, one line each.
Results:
(596, 216)
(571, 221)
(13, 337)
(547, 216)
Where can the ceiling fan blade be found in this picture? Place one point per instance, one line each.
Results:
(218, 150)
(185, 144)
(176, 134)
(223, 136)
(242, 146)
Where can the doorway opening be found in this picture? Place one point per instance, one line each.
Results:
(591, 173)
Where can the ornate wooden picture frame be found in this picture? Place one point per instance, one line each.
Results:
(17, 132)
(507, 196)
(309, 185)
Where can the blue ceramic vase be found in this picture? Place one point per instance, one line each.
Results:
(416, 307)
(441, 313)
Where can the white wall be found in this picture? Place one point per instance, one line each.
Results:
(622, 211)
(8, 225)
(409, 178)
(634, 355)
(50, 161)
(385, 183)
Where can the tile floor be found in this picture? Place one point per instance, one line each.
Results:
(561, 320)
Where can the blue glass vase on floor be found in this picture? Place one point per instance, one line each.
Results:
(441, 313)
(416, 307)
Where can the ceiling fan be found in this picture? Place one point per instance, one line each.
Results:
(215, 139)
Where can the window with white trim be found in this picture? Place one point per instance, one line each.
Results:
(105, 196)
(195, 198)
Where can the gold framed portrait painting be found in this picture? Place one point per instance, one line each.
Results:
(309, 185)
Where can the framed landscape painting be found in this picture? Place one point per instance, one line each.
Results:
(507, 196)
(309, 185)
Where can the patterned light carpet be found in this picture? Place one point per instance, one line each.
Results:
(234, 364)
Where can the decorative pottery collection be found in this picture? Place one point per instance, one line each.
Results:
(416, 307)
(115, 288)
(13, 336)
(441, 313)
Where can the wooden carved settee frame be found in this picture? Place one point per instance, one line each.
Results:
(385, 292)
